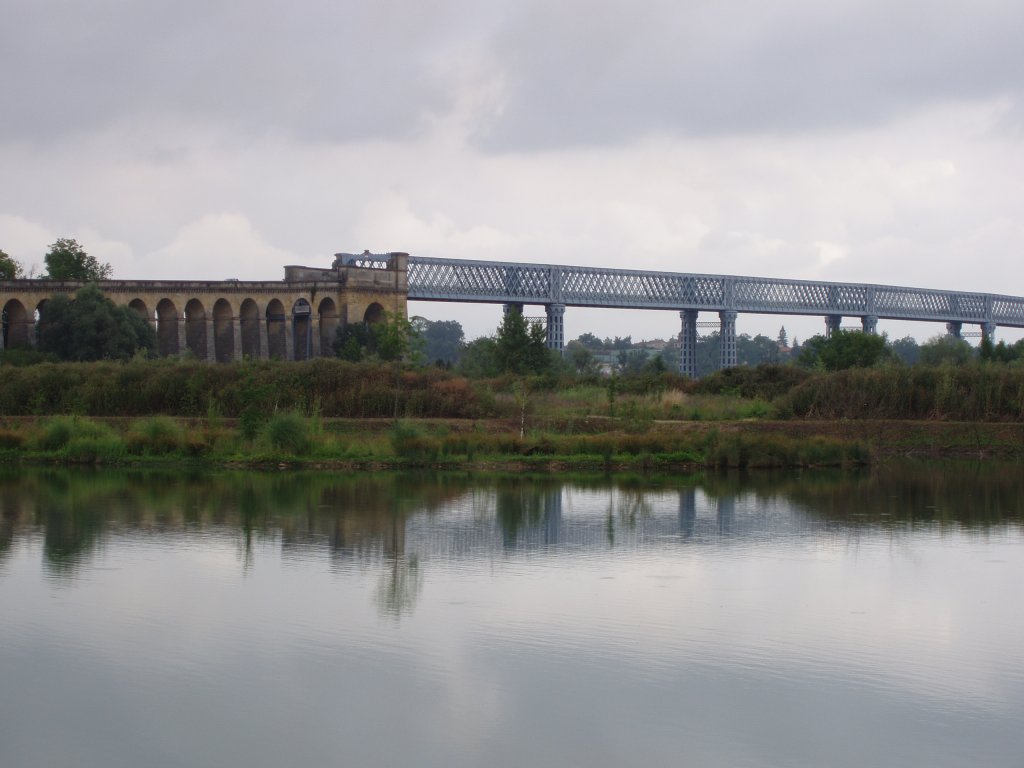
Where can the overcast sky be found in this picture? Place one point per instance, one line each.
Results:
(862, 141)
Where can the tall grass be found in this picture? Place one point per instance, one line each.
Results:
(966, 393)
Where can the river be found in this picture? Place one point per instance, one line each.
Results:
(312, 619)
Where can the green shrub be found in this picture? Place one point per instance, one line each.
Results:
(56, 433)
(94, 449)
(155, 435)
(410, 442)
(288, 432)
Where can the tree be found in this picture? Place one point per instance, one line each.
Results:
(907, 349)
(352, 341)
(759, 350)
(1001, 352)
(10, 269)
(590, 341)
(630, 362)
(91, 327)
(67, 260)
(783, 338)
(945, 350)
(390, 338)
(480, 358)
(443, 340)
(581, 359)
(521, 346)
(844, 349)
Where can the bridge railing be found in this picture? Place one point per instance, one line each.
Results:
(502, 282)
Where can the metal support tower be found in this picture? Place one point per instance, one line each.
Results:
(988, 332)
(728, 338)
(556, 327)
(833, 323)
(870, 324)
(955, 328)
(688, 343)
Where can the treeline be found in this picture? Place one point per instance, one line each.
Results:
(334, 388)
(338, 389)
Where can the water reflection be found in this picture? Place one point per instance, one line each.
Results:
(393, 520)
(265, 619)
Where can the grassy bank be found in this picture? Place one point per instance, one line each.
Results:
(301, 440)
(330, 412)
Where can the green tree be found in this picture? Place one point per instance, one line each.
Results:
(391, 338)
(590, 341)
(352, 341)
(844, 349)
(581, 359)
(67, 260)
(1001, 352)
(443, 340)
(946, 349)
(394, 338)
(91, 327)
(480, 358)
(907, 349)
(631, 362)
(521, 346)
(10, 268)
(759, 350)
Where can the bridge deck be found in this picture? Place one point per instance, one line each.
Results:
(440, 279)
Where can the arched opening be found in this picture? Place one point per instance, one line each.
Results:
(195, 329)
(277, 347)
(249, 320)
(302, 330)
(223, 332)
(140, 306)
(328, 325)
(167, 321)
(374, 313)
(17, 325)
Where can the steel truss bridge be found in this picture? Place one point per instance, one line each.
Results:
(557, 287)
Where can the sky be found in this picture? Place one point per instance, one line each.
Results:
(860, 141)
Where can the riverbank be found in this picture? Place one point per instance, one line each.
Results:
(545, 445)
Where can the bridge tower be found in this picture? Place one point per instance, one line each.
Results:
(833, 323)
(728, 338)
(688, 343)
(556, 326)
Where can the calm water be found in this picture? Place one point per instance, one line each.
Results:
(321, 619)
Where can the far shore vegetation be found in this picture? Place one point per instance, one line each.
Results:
(413, 393)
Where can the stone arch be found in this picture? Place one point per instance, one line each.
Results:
(195, 329)
(328, 325)
(17, 325)
(223, 331)
(277, 346)
(140, 306)
(374, 313)
(249, 322)
(302, 329)
(168, 324)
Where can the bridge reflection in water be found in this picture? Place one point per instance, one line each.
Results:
(451, 517)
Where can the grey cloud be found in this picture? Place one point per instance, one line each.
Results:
(573, 72)
(320, 70)
(581, 73)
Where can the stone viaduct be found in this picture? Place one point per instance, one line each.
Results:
(221, 321)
